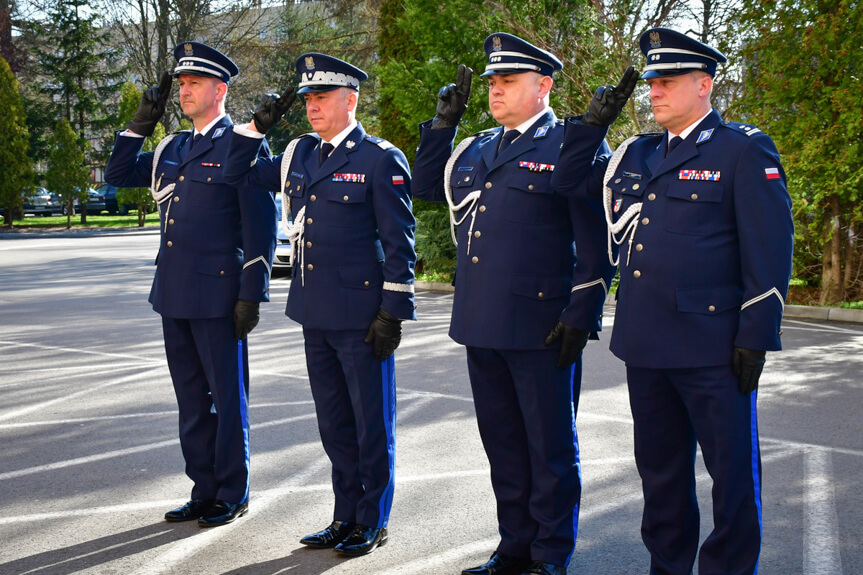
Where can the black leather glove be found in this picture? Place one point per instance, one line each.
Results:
(452, 100)
(385, 333)
(747, 365)
(246, 316)
(572, 344)
(272, 108)
(152, 107)
(608, 101)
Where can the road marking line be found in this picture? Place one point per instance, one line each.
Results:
(821, 525)
(81, 351)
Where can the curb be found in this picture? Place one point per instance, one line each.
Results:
(791, 311)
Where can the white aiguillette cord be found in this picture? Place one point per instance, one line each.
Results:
(628, 221)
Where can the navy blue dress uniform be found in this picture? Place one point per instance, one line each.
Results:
(705, 233)
(216, 247)
(517, 275)
(353, 246)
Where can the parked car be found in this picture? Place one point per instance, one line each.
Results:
(95, 203)
(37, 201)
(111, 203)
(282, 258)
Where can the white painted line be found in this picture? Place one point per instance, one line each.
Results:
(82, 351)
(820, 524)
(65, 398)
(806, 326)
(429, 564)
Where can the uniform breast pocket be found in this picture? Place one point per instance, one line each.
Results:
(295, 188)
(209, 190)
(625, 192)
(345, 204)
(693, 207)
(462, 179)
(167, 174)
(529, 199)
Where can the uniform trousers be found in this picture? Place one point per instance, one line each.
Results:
(673, 409)
(210, 371)
(355, 402)
(525, 411)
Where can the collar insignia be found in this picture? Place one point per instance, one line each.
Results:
(350, 144)
(540, 132)
(704, 136)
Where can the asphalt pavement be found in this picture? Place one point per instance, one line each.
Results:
(90, 459)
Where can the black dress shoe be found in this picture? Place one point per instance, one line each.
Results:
(329, 537)
(222, 513)
(500, 564)
(362, 540)
(192, 510)
(540, 568)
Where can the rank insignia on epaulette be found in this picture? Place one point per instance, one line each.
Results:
(536, 166)
(705, 135)
(211, 165)
(218, 133)
(355, 178)
(701, 175)
(617, 204)
(540, 132)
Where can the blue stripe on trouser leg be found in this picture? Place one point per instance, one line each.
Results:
(388, 388)
(575, 385)
(756, 467)
(244, 411)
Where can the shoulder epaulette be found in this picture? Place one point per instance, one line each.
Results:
(381, 143)
(746, 129)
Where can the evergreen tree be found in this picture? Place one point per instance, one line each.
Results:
(141, 198)
(14, 163)
(67, 174)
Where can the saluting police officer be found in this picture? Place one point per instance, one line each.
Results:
(522, 306)
(212, 271)
(352, 282)
(703, 220)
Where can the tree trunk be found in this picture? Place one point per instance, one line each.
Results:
(831, 269)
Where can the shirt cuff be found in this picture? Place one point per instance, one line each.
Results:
(130, 134)
(243, 131)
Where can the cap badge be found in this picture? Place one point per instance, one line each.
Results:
(654, 40)
(189, 49)
(496, 44)
(310, 63)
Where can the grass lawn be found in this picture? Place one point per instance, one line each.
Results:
(103, 221)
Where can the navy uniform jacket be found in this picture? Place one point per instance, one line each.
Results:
(516, 273)
(217, 242)
(710, 262)
(356, 253)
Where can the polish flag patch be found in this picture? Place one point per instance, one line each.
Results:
(398, 180)
(771, 173)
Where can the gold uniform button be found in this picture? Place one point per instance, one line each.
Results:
(635, 186)
(345, 198)
(171, 222)
(694, 196)
(639, 247)
(482, 208)
(366, 283)
(170, 243)
(309, 221)
(209, 179)
(310, 267)
(182, 178)
(530, 187)
(221, 273)
(622, 189)
(650, 196)
(477, 234)
(314, 198)
(176, 198)
(488, 185)
(636, 274)
(645, 221)
(308, 244)
(287, 184)
(540, 295)
(162, 174)
(474, 259)
(467, 178)
(711, 308)
(617, 181)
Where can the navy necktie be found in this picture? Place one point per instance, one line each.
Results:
(507, 139)
(673, 143)
(326, 150)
